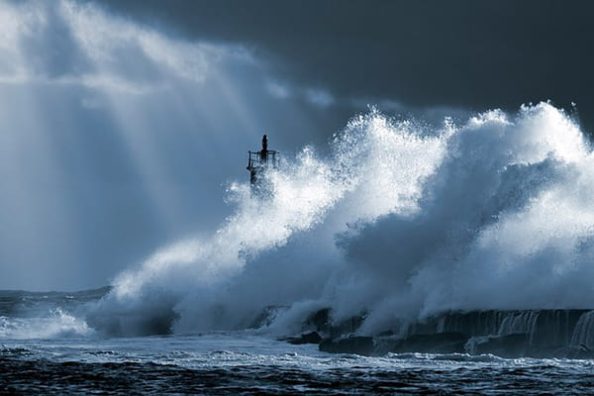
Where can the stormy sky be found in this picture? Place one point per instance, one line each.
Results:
(457, 53)
(122, 122)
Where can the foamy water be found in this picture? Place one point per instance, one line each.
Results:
(399, 221)
(230, 362)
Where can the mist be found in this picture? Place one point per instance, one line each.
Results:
(399, 222)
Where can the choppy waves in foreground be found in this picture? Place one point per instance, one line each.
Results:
(241, 362)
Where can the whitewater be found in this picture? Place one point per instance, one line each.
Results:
(399, 222)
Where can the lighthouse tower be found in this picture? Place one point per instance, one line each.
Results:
(258, 162)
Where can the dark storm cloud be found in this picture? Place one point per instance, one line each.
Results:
(422, 53)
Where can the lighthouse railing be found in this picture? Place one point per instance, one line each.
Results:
(255, 159)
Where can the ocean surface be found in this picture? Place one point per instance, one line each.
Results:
(47, 348)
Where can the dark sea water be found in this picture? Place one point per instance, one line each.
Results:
(46, 348)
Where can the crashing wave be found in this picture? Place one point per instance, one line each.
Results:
(399, 221)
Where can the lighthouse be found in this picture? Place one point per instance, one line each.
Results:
(258, 162)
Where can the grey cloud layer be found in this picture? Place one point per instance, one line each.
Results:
(457, 53)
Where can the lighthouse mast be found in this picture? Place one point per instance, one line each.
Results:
(258, 162)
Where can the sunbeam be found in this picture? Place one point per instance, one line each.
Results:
(163, 111)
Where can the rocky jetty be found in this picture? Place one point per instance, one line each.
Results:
(515, 333)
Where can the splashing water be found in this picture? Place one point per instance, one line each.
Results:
(399, 221)
(57, 323)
